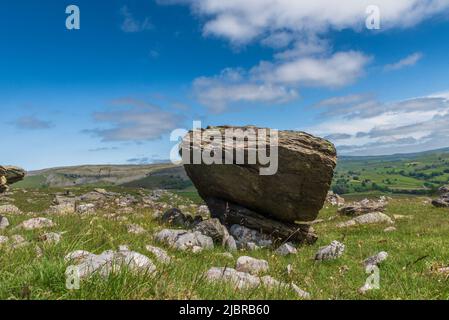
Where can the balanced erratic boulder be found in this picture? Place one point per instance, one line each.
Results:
(280, 204)
(10, 175)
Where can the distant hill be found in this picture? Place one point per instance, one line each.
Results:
(154, 176)
(414, 173)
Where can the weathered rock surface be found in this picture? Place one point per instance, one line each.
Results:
(295, 193)
(214, 229)
(369, 218)
(10, 175)
(364, 206)
(176, 217)
(4, 223)
(251, 265)
(160, 254)
(330, 252)
(334, 199)
(50, 237)
(184, 240)
(36, 223)
(108, 262)
(286, 249)
(9, 209)
(375, 260)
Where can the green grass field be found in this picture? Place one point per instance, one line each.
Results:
(415, 249)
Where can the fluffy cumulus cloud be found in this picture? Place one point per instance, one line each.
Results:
(135, 120)
(367, 126)
(295, 29)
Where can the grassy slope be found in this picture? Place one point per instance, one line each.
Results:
(23, 275)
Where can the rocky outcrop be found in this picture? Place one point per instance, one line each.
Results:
(363, 207)
(443, 200)
(10, 175)
(238, 194)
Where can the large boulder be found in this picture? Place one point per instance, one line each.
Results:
(10, 175)
(296, 192)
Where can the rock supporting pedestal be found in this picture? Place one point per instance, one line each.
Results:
(10, 175)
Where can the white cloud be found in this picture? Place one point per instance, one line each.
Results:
(130, 24)
(371, 127)
(408, 61)
(242, 21)
(138, 121)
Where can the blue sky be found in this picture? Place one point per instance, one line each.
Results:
(112, 91)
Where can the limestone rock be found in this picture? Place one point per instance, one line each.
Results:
(369, 218)
(10, 175)
(214, 229)
(296, 192)
(241, 280)
(364, 206)
(286, 249)
(251, 265)
(330, 252)
(4, 223)
(334, 199)
(184, 240)
(37, 223)
(160, 254)
(51, 237)
(9, 209)
(376, 259)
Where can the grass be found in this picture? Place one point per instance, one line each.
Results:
(414, 249)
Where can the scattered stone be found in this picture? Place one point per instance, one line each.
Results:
(251, 265)
(334, 199)
(110, 262)
(368, 218)
(4, 223)
(3, 239)
(85, 208)
(77, 256)
(203, 210)
(214, 229)
(9, 209)
(390, 229)
(301, 293)
(402, 217)
(363, 207)
(330, 252)
(375, 260)
(18, 241)
(286, 249)
(135, 229)
(184, 240)
(241, 280)
(50, 237)
(231, 244)
(64, 208)
(175, 217)
(289, 269)
(37, 223)
(246, 238)
(160, 254)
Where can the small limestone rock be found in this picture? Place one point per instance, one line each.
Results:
(289, 269)
(286, 249)
(330, 252)
(368, 218)
(85, 208)
(301, 293)
(17, 241)
(390, 229)
(4, 223)
(64, 208)
(230, 244)
(9, 209)
(135, 229)
(37, 223)
(376, 259)
(184, 240)
(77, 256)
(50, 237)
(214, 229)
(3, 239)
(160, 254)
(249, 239)
(241, 280)
(251, 265)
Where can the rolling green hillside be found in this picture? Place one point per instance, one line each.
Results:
(417, 173)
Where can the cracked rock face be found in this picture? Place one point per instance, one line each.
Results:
(296, 192)
(185, 240)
